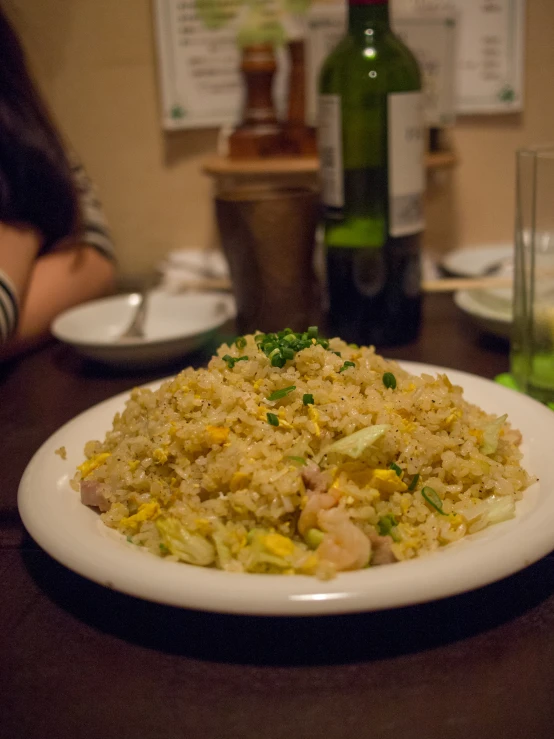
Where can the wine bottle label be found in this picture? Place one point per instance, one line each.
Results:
(330, 151)
(405, 163)
(405, 175)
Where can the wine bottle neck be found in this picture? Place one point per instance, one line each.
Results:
(367, 16)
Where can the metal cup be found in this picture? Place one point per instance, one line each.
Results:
(532, 346)
(268, 236)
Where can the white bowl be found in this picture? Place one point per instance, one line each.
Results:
(175, 325)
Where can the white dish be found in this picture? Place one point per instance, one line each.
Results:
(487, 309)
(474, 261)
(197, 262)
(73, 534)
(175, 325)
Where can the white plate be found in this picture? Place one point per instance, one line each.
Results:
(473, 261)
(488, 310)
(175, 324)
(196, 262)
(74, 535)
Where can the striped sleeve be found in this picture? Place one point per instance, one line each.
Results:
(94, 227)
(9, 307)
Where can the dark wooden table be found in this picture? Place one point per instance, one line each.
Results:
(80, 661)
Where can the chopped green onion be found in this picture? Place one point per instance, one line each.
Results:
(283, 345)
(299, 460)
(337, 353)
(308, 399)
(231, 361)
(389, 380)
(278, 360)
(164, 549)
(272, 419)
(287, 352)
(278, 394)
(346, 365)
(314, 537)
(387, 527)
(414, 481)
(433, 499)
(396, 468)
(240, 342)
(129, 540)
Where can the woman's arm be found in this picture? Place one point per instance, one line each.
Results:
(57, 281)
(18, 251)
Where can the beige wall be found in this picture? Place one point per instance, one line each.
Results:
(95, 62)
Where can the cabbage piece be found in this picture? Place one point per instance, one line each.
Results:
(491, 434)
(188, 547)
(355, 444)
(500, 508)
(494, 509)
(223, 551)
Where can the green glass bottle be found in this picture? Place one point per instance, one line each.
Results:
(371, 146)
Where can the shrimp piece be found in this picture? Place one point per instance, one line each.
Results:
(344, 545)
(317, 502)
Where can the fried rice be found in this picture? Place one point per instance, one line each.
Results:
(291, 454)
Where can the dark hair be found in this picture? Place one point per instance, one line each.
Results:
(36, 187)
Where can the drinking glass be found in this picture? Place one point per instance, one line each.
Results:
(532, 346)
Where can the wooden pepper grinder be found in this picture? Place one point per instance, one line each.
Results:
(259, 134)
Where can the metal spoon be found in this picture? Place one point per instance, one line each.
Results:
(495, 267)
(135, 330)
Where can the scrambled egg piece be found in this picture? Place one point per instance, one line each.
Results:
(278, 544)
(314, 416)
(145, 512)
(134, 465)
(203, 526)
(238, 481)
(160, 455)
(309, 564)
(387, 481)
(218, 434)
(91, 464)
(452, 417)
(478, 433)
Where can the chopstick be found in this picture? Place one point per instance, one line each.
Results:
(445, 285)
(451, 284)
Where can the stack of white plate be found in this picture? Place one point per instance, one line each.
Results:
(490, 309)
(183, 269)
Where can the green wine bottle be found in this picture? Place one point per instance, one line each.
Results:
(371, 147)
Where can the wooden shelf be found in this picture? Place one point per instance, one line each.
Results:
(218, 166)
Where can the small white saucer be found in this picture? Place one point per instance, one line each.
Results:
(489, 310)
(175, 325)
(473, 261)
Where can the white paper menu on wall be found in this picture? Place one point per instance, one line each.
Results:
(490, 50)
(198, 61)
(199, 57)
